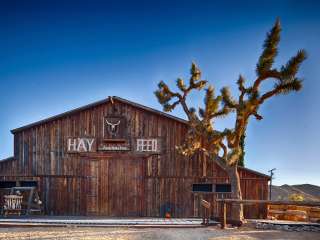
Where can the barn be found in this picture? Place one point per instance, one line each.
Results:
(118, 158)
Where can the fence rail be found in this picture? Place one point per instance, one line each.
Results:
(224, 202)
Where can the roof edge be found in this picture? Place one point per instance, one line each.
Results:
(7, 159)
(138, 105)
(94, 104)
(255, 172)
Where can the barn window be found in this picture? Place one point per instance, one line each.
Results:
(223, 188)
(7, 184)
(202, 187)
(28, 184)
(147, 145)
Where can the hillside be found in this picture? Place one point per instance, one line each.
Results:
(308, 191)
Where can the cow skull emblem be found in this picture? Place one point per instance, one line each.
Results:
(113, 127)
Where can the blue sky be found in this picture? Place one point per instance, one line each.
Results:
(58, 55)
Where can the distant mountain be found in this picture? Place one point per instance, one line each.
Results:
(308, 191)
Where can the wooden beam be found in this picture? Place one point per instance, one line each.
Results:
(30, 200)
(297, 203)
(224, 216)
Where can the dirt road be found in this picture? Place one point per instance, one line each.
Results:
(74, 233)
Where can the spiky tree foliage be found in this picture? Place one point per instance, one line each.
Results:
(202, 135)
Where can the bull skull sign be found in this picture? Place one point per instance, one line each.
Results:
(114, 127)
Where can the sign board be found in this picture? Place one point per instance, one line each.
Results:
(115, 139)
(81, 144)
(148, 145)
(114, 147)
(114, 127)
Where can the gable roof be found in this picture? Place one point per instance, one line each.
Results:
(104, 101)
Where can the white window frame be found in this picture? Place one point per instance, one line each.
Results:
(147, 145)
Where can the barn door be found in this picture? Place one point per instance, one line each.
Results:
(125, 177)
(93, 187)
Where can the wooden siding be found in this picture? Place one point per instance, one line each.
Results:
(123, 183)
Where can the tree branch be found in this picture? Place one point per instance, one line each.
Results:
(225, 150)
(257, 116)
(221, 162)
(268, 95)
(269, 74)
(241, 88)
(186, 109)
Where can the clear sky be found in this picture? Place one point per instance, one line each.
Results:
(58, 55)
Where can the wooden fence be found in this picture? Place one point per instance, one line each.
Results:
(225, 202)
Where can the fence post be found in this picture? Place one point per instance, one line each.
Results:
(224, 215)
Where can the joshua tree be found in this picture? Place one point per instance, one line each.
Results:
(241, 157)
(224, 147)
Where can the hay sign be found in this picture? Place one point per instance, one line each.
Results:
(80, 145)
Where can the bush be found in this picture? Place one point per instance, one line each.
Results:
(296, 197)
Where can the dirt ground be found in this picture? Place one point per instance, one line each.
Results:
(74, 233)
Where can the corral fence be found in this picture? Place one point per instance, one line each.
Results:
(285, 208)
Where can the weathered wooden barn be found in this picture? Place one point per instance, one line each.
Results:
(118, 158)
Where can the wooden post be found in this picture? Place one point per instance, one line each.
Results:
(224, 216)
(30, 201)
(204, 216)
(206, 211)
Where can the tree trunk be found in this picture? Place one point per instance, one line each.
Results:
(237, 209)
